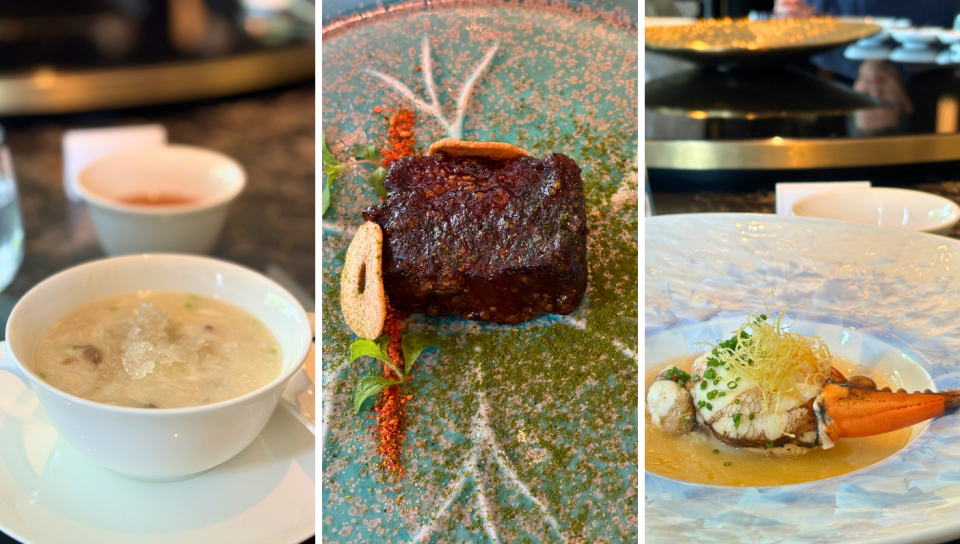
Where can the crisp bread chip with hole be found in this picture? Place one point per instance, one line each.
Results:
(362, 299)
(491, 150)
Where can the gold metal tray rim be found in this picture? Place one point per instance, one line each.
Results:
(47, 91)
(794, 154)
(867, 30)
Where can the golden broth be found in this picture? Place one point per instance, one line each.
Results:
(690, 457)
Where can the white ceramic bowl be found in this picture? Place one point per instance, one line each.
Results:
(209, 179)
(158, 444)
(886, 207)
(923, 35)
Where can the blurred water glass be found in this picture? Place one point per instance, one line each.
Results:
(11, 224)
(648, 196)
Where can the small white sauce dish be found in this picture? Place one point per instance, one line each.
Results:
(157, 444)
(202, 184)
(886, 207)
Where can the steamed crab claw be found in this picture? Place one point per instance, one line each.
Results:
(856, 407)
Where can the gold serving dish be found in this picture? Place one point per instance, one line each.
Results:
(742, 41)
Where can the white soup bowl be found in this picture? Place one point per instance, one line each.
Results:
(157, 444)
(886, 207)
(207, 179)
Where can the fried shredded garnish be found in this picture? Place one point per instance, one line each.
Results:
(763, 351)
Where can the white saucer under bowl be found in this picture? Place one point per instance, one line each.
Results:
(911, 55)
(52, 494)
(860, 52)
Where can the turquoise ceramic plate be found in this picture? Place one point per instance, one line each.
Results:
(515, 433)
(878, 297)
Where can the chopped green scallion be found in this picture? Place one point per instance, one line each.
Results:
(732, 385)
(736, 421)
(727, 464)
(751, 416)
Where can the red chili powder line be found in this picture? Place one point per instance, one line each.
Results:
(391, 406)
(402, 142)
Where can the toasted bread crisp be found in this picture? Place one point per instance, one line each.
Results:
(491, 150)
(362, 299)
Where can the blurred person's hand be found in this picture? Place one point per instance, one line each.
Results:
(792, 9)
(881, 80)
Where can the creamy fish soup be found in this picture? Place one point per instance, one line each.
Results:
(158, 350)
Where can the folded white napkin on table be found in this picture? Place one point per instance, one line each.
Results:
(83, 146)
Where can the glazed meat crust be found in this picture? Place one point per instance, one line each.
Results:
(486, 240)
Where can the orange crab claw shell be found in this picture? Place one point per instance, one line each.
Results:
(855, 411)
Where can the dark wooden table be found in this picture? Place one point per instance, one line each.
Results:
(271, 223)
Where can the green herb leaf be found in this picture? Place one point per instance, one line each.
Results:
(369, 386)
(415, 343)
(326, 156)
(368, 152)
(324, 198)
(376, 180)
(376, 349)
(333, 171)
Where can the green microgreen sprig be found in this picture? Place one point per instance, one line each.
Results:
(364, 154)
(413, 344)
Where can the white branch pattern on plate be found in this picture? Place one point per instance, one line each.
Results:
(454, 129)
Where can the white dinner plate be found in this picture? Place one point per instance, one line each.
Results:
(51, 494)
(897, 289)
